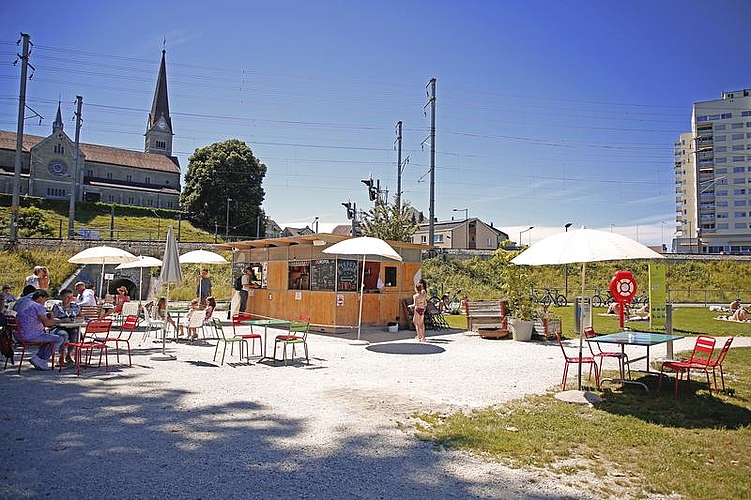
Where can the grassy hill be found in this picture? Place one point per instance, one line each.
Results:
(45, 218)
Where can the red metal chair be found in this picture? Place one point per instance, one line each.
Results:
(130, 323)
(237, 321)
(95, 329)
(12, 327)
(699, 360)
(717, 363)
(577, 360)
(621, 357)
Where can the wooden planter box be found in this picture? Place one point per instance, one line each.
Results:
(547, 328)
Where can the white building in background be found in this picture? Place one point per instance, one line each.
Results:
(713, 177)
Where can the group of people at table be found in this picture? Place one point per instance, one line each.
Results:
(59, 326)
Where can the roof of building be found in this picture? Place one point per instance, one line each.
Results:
(102, 154)
(160, 105)
(453, 224)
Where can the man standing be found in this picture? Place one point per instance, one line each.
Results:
(32, 319)
(246, 281)
(86, 296)
(40, 278)
(203, 287)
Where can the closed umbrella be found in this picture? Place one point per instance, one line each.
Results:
(583, 245)
(363, 245)
(141, 262)
(171, 273)
(102, 255)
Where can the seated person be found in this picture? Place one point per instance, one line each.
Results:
(210, 306)
(66, 311)
(444, 305)
(735, 305)
(26, 294)
(615, 308)
(161, 312)
(86, 295)
(120, 299)
(9, 297)
(32, 320)
(740, 314)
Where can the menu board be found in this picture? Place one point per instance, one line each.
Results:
(323, 274)
(346, 276)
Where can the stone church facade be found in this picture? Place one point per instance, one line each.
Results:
(105, 174)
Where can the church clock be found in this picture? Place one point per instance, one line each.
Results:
(57, 168)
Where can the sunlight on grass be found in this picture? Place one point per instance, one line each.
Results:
(695, 445)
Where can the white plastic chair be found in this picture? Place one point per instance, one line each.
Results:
(151, 323)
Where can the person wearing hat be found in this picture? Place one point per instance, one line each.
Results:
(86, 295)
(120, 299)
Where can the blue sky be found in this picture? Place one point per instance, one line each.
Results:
(548, 112)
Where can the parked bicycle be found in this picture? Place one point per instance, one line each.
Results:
(451, 305)
(550, 297)
(598, 300)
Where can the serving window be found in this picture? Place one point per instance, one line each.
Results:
(298, 275)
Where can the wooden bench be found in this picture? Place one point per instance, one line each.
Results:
(487, 318)
(91, 312)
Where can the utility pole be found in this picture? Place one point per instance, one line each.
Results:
(431, 225)
(399, 165)
(24, 56)
(74, 174)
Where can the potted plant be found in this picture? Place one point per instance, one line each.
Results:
(549, 323)
(517, 287)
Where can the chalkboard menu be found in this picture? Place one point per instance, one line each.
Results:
(346, 276)
(323, 274)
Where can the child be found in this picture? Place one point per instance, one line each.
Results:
(194, 309)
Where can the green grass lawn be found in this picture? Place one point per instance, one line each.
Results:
(695, 445)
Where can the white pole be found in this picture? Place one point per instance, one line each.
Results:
(362, 288)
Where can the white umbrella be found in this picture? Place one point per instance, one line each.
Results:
(141, 262)
(363, 245)
(102, 255)
(583, 245)
(202, 257)
(171, 273)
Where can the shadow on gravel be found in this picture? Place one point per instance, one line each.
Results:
(130, 435)
(404, 348)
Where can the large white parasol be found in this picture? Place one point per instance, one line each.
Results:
(202, 257)
(363, 245)
(583, 245)
(102, 255)
(141, 262)
(171, 273)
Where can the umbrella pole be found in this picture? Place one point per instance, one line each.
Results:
(581, 329)
(101, 281)
(164, 330)
(362, 288)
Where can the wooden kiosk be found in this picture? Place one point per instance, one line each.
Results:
(293, 277)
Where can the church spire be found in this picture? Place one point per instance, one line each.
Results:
(58, 124)
(159, 127)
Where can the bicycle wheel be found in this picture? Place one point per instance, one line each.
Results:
(596, 301)
(560, 300)
(546, 299)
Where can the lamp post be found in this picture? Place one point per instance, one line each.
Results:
(611, 227)
(565, 269)
(466, 228)
(522, 232)
(226, 221)
(315, 223)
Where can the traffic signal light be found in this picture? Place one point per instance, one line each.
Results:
(350, 209)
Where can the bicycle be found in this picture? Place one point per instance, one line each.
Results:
(453, 306)
(550, 297)
(599, 301)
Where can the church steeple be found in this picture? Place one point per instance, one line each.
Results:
(159, 127)
(58, 124)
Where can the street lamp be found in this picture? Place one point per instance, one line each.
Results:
(466, 228)
(522, 232)
(565, 269)
(226, 221)
(315, 223)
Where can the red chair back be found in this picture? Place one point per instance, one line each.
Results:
(129, 324)
(98, 326)
(12, 326)
(723, 353)
(703, 349)
(560, 343)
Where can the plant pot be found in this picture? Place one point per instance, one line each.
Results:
(521, 330)
(393, 328)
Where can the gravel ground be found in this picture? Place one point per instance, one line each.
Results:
(190, 428)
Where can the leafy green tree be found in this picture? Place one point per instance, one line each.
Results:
(388, 222)
(222, 171)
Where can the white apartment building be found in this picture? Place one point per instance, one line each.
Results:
(713, 177)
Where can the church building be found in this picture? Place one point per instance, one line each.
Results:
(105, 174)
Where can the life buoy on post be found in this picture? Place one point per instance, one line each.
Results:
(623, 287)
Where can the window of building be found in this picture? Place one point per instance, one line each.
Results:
(111, 198)
(726, 116)
(423, 239)
(740, 215)
(720, 160)
(745, 113)
(748, 124)
(740, 225)
(722, 215)
(739, 203)
(59, 149)
(721, 192)
(737, 137)
(722, 204)
(389, 276)
(737, 125)
(129, 177)
(131, 200)
(738, 147)
(721, 171)
(299, 275)
(722, 225)
(739, 192)
(109, 175)
(437, 238)
(147, 180)
(149, 202)
(741, 180)
(169, 204)
(161, 145)
(739, 158)
(719, 127)
(719, 138)
(89, 173)
(720, 149)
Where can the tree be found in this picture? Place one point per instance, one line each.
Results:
(388, 222)
(222, 171)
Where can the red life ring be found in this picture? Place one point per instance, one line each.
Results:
(623, 286)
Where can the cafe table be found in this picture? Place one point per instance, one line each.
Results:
(643, 339)
(265, 323)
(177, 311)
